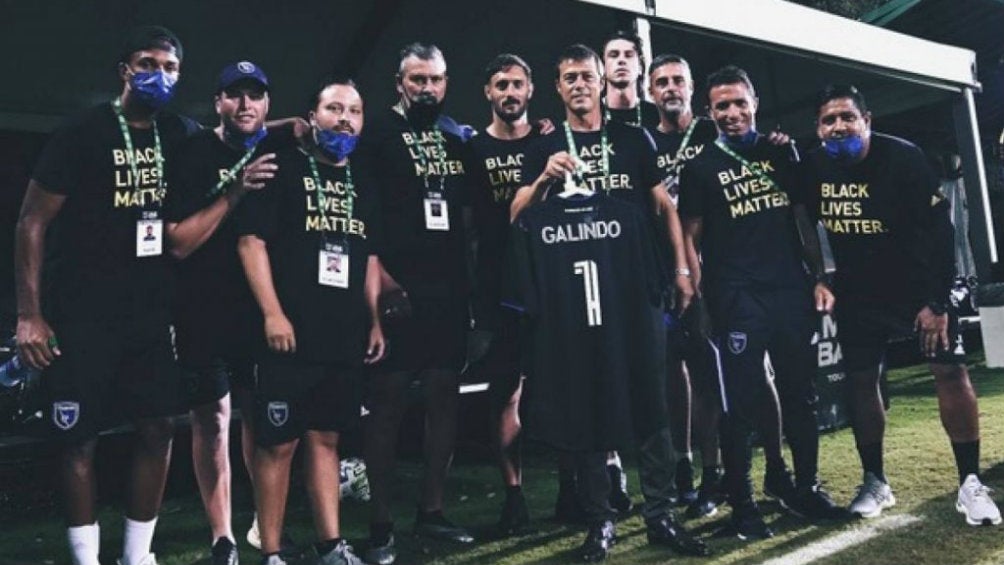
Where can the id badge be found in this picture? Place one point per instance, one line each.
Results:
(149, 235)
(333, 265)
(437, 213)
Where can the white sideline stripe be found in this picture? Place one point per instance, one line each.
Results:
(839, 542)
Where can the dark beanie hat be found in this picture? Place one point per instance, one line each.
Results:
(150, 37)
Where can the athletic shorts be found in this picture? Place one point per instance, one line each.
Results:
(109, 371)
(433, 337)
(213, 360)
(292, 397)
(502, 365)
(864, 332)
(685, 343)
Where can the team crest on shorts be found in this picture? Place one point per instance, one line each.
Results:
(278, 413)
(65, 414)
(737, 342)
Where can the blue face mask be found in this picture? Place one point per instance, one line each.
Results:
(845, 148)
(154, 89)
(745, 140)
(336, 144)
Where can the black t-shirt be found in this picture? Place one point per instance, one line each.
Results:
(496, 174)
(330, 323)
(876, 213)
(749, 235)
(585, 274)
(671, 159)
(92, 268)
(649, 115)
(633, 171)
(429, 264)
(212, 289)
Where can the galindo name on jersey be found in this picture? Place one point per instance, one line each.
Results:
(580, 232)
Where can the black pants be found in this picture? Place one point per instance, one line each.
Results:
(749, 323)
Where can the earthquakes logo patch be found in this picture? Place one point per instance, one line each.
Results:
(278, 413)
(245, 67)
(737, 342)
(65, 414)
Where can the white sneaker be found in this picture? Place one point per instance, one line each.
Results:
(974, 501)
(254, 536)
(150, 559)
(273, 560)
(873, 497)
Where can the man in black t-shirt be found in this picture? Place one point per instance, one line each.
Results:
(623, 100)
(619, 160)
(320, 325)
(210, 174)
(100, 183)
(497, 159)
(888, 224)
(736, 201)
(417, 156)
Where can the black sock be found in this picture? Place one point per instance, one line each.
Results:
(967, 458)
(513, 490)
(710, 474)
(381, 531)
(871, 460)
(325, 547)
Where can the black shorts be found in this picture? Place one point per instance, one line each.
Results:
(213, 360)
(864, 332)
(502, 364)
(109, 371)
(433, 337)
(292, 397)
(685, 343)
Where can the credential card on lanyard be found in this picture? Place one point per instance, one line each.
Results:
(437, 212)
(333, 265)
(149, 235)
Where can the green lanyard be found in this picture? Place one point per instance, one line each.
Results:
(728, 151)
(229, 176)
(350, 190)
(637, 110)
(686, 139)
(131, 154)
(422, 159)
(604, 159)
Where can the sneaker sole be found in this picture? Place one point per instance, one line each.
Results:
(984, 522)
(868, 515)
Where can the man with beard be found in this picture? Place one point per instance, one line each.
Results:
(495, 172)
(736, 201)
(624, 62)
(417, 155)
(888, 223)
(212, 172)
(101, 176)
(619, 160)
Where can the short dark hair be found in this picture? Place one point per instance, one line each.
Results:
(419, 50)
(665, 59)
(577, 52)
(315, 98)
(149, 37)
(730, 74)
(503, 62)
(626, 36)
(835, 91)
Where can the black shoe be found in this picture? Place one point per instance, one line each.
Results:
(780, 486)
(599, 540)
(381, 551)
(709, 496)
(685, 482)
(567, 509)
(748, 524)
(515, 519)
(814, 503)
(665, 531)
(434, 525)
(224, 552)
(619, 499)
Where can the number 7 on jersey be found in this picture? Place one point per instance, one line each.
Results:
(591, 288)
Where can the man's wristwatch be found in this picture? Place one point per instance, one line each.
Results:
(937, 308)
(684, 271)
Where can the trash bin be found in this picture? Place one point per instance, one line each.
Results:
(991, 302)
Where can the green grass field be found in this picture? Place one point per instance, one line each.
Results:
(919, 464)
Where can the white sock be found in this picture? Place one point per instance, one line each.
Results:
(138, 537)
(83, 542)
